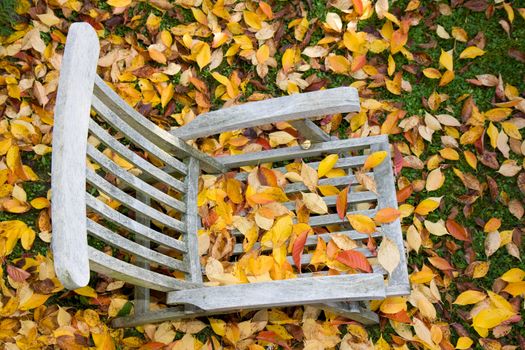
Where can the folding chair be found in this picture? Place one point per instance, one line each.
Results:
(148, 213)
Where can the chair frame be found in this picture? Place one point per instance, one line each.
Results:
(80, 89)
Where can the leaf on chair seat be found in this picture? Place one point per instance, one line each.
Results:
(355, 260)
(388, 255)
(315, 203)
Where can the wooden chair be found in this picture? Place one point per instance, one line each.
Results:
(123, 198)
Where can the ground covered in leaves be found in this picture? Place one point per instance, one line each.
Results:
(445, 79)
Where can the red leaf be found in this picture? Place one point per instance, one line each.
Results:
(457, 231)
(401, 316)
(355, 260)
(404, 193)
(342, 202)
(298, 247)
(398, 160)
(358, 5)
(18, 275)
(440, 263)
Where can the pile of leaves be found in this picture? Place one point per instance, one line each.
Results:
(444, 79)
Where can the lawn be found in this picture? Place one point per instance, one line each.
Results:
(444, 79)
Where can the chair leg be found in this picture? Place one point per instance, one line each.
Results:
(357, 311)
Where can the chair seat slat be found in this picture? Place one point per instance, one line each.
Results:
(352, 198)
(117, 241)
(334, 219)
(132, 203)
(296, 291)
(130, 156)
(137, 228)
(134, 136)
(118, 269)
(294, 152)
(333, 181)
(134, 181)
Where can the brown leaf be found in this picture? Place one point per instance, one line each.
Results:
(342, 202)
(521, 182)
(476, 5)
(516, 54)
(440, 263)
(17, 274)
(355, 260)
(458, 231)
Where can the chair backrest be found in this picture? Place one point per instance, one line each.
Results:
(121, 189)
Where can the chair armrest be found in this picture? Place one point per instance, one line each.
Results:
(286, 108)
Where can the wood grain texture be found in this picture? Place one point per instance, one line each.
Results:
(118, 269)
(297, 291)
(192, 257)
(287, 108)
(142, 295)
(149, 130)
(295, 152)
(309, 130)
(68, 208)
(398, 283)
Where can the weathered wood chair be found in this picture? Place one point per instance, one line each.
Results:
(150, 212)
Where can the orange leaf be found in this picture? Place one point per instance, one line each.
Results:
(492, 225)
(387, 215)
(458, 231)
(440, 263)
(341, 203)
(374, 159)
(362, 223)
(298, 247)
(358, 5)
(355, 260)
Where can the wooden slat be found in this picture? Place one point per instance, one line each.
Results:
(136, 227)
(131, 157)
(398, 283)
(309, 130)
(133, 181)
(149, 130)
(72, 108)
(142, 295)
(297, 291)
(134, 136)
(192, 222)
(332, 219)
(117, 241)
(334, 181)
(353, 311)
(288, 153)
(342, 163)
(118, 269)
(132, 203)
(287, 108)
(352, 198)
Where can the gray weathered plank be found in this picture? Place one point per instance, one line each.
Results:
(131, 202)
(294, 152)
(297, 291)
(75, 87)
(142, 295)
(132, 157)
(309, 130)
(287, 108)
(353, 311)
(129, 224)
(136, 137)
(352, 198)
(117, 241)
(384, 176)
(133, 181)
(150, 130)
(192, 222)
(118, 269)
(333, 181)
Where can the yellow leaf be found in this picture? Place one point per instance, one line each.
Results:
(426, 206)
(252, 19)
(391, 65)
(471, 52)
(288, 60)
(498, 114)
(470, 297)
(33, 302)
(362, 223)
(375, 159)
(471, 159)
(327, 164)
(166, 95)
(435, 180)
(393, 305)
(511, 130)
(515, 288)
(27, 237)
(40, 203)
(263, 53)
(472, 135)
(493, 133)
(218, 326)
(491, 317)
(339, 64)
(282, 230)
(464, 343)
(103, 341)
(86, 291)
(156, 55)
(513, 275)
(432, 73)
(119, 3)
(446, 60)
(203, 56)
(280, 331)
(315, 203)
(388, 254)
